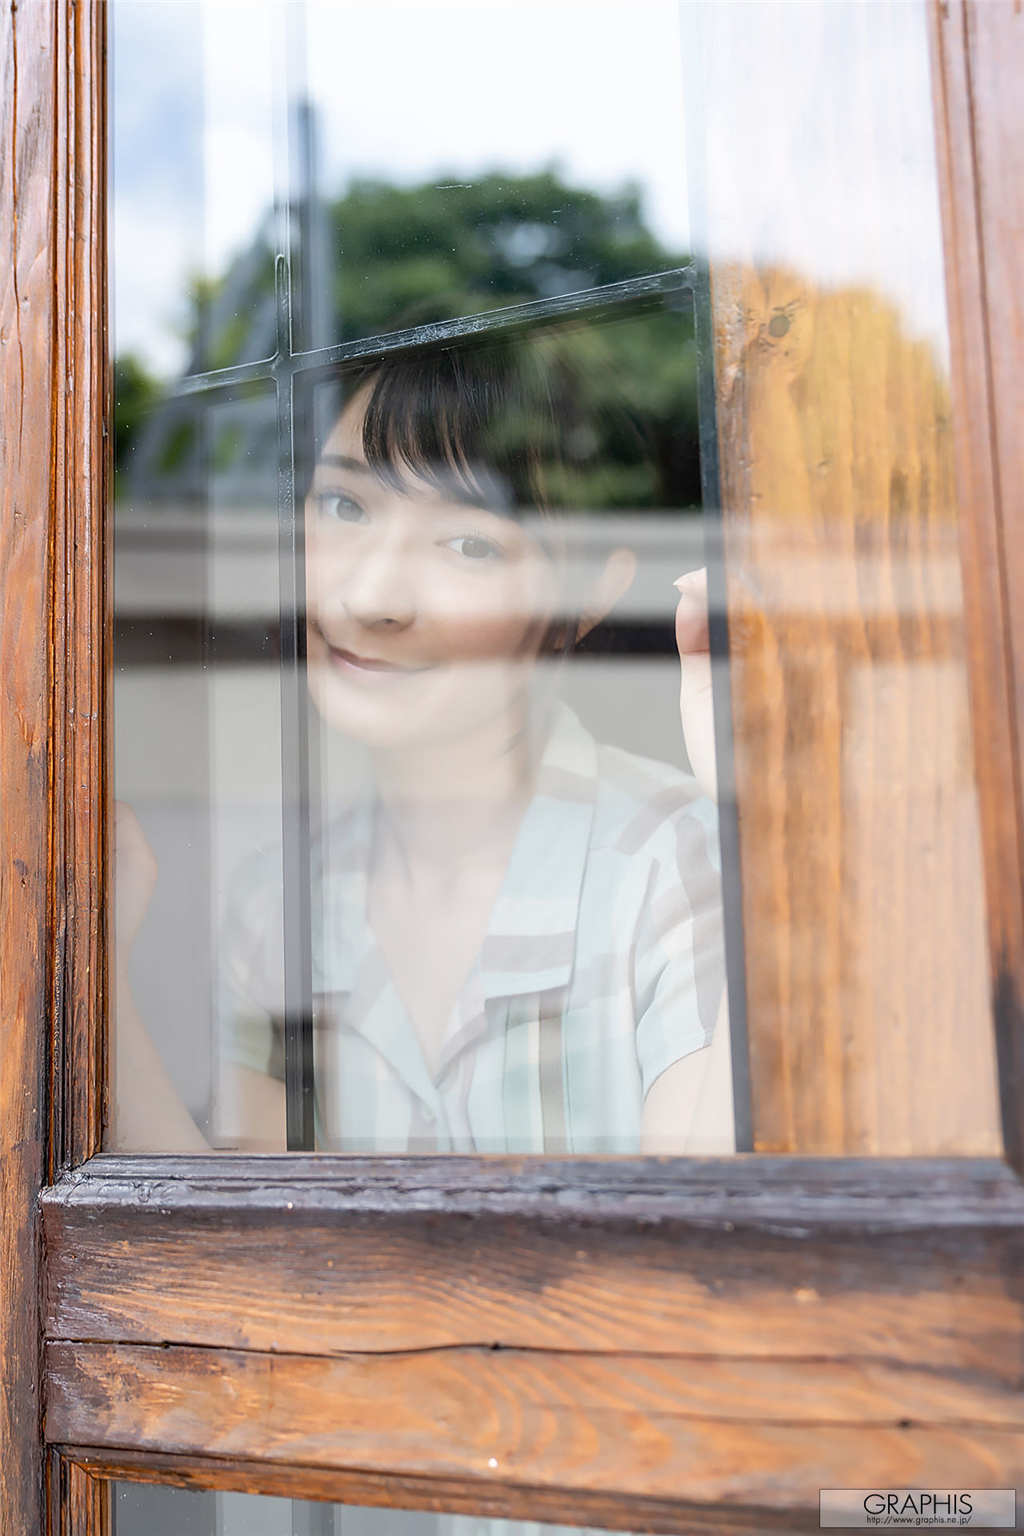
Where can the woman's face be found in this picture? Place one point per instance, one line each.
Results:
(426, 612)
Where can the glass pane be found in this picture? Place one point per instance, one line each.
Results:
(481, 155)
(142, 1510)
(192, 272)
(439, 820)
(867, 978)
(462, 891)
(517, 925)
(516, 912)
(197, 715)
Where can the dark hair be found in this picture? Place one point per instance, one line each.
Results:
(512, 422)
(481, 417)
(513, 419)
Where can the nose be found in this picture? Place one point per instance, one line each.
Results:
(372, 583)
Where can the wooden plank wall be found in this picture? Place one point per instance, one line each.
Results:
(867, 977)
(27, 94)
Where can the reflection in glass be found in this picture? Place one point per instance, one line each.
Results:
(197, 728)
(346, 576)
(517, 942)
(526, 174)
(410, 853)
(192, 113)
(517, 937)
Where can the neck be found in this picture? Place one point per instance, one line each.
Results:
(440, 803)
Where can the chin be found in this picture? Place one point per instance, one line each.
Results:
(366, 721)
(381, 724)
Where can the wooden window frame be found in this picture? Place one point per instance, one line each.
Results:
(562, 1336)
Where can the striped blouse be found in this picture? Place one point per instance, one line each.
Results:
(603, 964)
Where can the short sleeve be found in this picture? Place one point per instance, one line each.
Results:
(250, 969)
(680, 942)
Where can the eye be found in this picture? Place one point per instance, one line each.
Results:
(339, 507)
(473, 546)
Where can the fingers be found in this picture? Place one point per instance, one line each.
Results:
(692, 613)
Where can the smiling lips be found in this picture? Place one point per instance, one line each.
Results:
(352, 662)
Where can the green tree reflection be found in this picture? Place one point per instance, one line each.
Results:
(397, 256)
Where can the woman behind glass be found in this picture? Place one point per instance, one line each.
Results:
(517, 940)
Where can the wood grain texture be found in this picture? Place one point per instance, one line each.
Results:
(732, 1332)
(978, 54)
(27, 90)
(911, 1261)
(79, 1504)
(78, 1500)
(52, 360)
(490, 1497)
(336, 1289)
(668, 1338)
(619, 1428)
(866, 971)
(81, 561)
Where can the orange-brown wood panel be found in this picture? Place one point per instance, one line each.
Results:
(864, 913)
(657, 1428)
(51, 362)
(733, 1330)
(906, 1262)
(296, 1284)
(397, 1489)
(978, 53)
(863, 899)
(80, 652)
(79, 1505)
(27, 66)
(79, 1502)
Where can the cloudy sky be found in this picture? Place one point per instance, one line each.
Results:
(414, 89)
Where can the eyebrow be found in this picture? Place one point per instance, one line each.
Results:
(342, 461)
